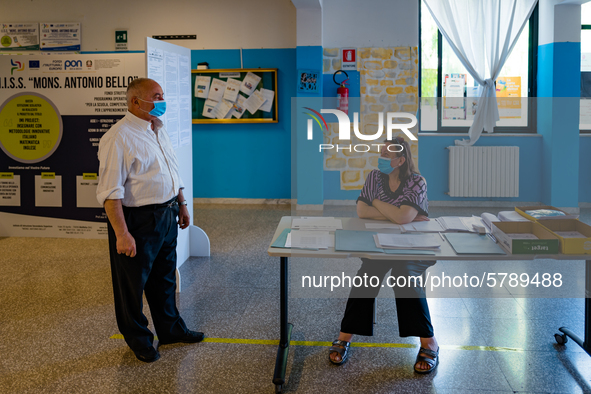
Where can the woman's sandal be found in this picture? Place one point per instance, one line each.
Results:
(432, 362)
(342, 348)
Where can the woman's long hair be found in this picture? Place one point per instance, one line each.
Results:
(408, 168)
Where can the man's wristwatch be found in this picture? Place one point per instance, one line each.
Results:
(183, 203)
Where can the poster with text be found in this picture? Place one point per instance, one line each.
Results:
(53, 111)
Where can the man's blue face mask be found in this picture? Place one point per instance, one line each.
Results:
(159, 107)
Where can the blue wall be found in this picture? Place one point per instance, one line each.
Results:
(246, 160)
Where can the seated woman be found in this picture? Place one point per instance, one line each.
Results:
(395, 192)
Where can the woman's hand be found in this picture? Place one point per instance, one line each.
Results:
(421, 218)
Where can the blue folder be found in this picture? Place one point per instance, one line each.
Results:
(280, 241)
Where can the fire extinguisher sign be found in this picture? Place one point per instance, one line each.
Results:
(349, 59)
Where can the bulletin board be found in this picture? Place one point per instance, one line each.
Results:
(208, 85)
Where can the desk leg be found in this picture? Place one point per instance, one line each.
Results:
(283, 350)
(585, 343)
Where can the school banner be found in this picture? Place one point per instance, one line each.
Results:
(53, 111)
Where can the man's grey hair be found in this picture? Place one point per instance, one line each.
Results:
(136, 88)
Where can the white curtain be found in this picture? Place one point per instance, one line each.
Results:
(482, 34)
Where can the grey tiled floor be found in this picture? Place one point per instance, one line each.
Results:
(57, 320)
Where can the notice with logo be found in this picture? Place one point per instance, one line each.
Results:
(216, 91)
(238, 107)
(60, 36)
(249, 84)
(268, 95)
(202, 86)
(19, 36)
(509, 97)
(254, 102)
(232, 88)
(208, 107)
(453, 102)
(222, 108)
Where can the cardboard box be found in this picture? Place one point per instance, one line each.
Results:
(570, 245)
(521, 211)
(547, 242)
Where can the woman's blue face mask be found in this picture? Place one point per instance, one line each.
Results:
(159, 107)
(385, 165)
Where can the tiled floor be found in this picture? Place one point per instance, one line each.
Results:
(57, 320)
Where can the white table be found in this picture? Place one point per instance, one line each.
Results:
(446, 253)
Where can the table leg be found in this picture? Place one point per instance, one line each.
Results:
(285, 338)
(584, 344)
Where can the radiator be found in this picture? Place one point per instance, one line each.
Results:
(483, 171)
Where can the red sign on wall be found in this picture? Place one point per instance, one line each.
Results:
(349, 59)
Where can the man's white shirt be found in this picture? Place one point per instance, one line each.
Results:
(137, 164)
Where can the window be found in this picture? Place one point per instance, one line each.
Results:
(585, 111)
(449, 94)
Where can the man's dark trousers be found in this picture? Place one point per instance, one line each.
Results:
(152, 270)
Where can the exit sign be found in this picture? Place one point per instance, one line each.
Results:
(121, 40)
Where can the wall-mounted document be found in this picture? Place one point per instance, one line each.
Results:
(221, 109)
(202, 86)
(232, 88)
(216, 90)
(268, 96)
(208, 107)
(249, 84)
(238, 108)
(254, 102)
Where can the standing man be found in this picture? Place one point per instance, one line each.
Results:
(142, 192)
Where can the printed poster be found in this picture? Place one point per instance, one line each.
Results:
(60, 36)
(19, 37)
(509, 97)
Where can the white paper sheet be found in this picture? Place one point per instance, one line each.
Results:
(254, 102)
(221, 109)
(202, 86)
(511, 216)
(216, 90)
(311, 239)
(317, 224)
(232, 88)
(410, 241)
(431, 226)
(268, 95)
(249, 84)
(238, 107)
(208, 107)
(521, 236)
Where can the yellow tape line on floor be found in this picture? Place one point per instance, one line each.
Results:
(354, 344)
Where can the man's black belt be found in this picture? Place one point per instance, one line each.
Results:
(168, 204)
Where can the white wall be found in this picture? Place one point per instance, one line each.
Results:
(370, 23)
(219, 24)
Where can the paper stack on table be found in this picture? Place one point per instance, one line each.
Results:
(317, 224)
(442, 224)
(408, 241)
(298, 239)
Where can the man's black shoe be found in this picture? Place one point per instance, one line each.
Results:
(147, 355)
(189, 337)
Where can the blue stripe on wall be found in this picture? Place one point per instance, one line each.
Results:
(246, 160)
(558, 121)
